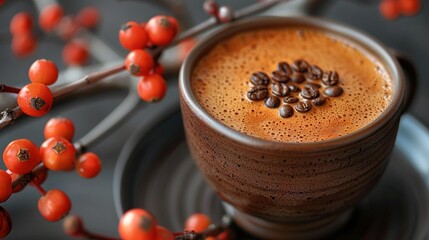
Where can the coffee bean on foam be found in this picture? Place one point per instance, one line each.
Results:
(319, 101)
(330, 78)
(280, 89)
(294, 88)
(309, 93)
(286, 111)
(290, 99)
(313, 85)
(368, 84)
(280, 76)
(284, 67)
(303, 107)
(297, 77)
(300, 66)
(333, 91)
(313, 73)
(257, 93)
(272, 102)
(260, 78)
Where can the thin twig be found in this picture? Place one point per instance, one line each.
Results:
(8, 89)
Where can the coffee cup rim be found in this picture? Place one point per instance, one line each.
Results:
(362, 39)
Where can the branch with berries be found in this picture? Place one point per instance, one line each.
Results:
(28, 164)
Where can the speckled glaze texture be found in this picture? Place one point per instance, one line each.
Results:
(291, 182)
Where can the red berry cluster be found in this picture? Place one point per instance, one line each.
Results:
(36, 99)
(392, 9)
(53, 21)
(159, 31)
(57, 153)
(139, 224)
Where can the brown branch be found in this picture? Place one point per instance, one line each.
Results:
(8, 89)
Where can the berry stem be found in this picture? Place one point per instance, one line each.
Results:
(39, 188)
(26, 178)
(8, 89)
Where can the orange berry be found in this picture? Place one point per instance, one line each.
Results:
(35, 99)
(21, 22)
(54, 205)
(58, 154)
(197, 222)
(389, 9)
(5, 186)
(75, 53)
(88, 17)
(88, 165)
(21, 156)
(161, 30)
(6, 223)
(137, 224)
(152, 88)
(50, 16)
(23, 44)
(59, 127)
(139, 62)
(67, 28)
(43, 71)
(133, 36)
(409, 7)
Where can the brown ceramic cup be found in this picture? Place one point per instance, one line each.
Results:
(298, 190)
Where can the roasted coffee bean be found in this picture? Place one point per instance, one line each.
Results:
(303, 107)
(257, 93)
(319, 101)
(290, 99)
(313, 73)
(330, 78)
(297, 78)
(313, 85)
(309, 93)
(272, 102)
(280, 76)
(260, 78)
(294, 88)
(333, 91)
(280, 89)
(286, 111)
(300, 66)
(284, 67)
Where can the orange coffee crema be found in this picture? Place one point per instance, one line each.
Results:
(220, 81)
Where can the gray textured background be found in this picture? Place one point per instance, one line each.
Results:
(93, 199)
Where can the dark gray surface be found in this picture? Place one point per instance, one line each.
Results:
(93, 199)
